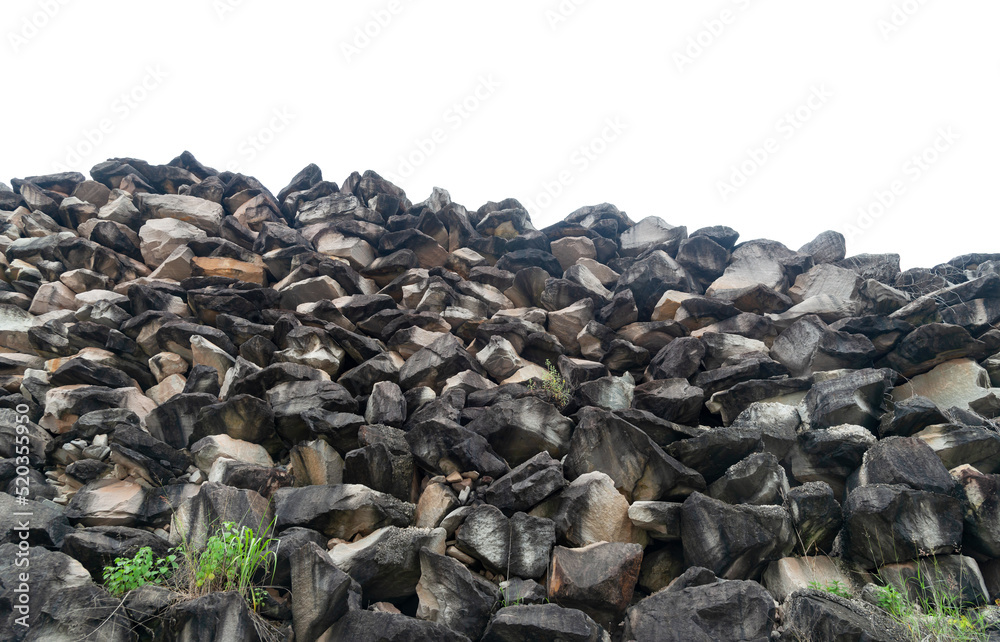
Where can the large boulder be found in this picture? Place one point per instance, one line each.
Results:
(697, 606)
(734, 542)
(641, 470)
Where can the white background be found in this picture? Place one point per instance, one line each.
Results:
(696, 87)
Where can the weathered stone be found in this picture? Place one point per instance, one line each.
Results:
(451, 595)
(341, 511)
(387, 562)
(640, 469)
(543, 622)
(735, 542)
(697, 606)
(597, 579)
(887, 524)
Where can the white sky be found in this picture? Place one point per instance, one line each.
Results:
(223, 75)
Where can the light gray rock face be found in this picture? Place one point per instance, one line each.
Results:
(204, 215)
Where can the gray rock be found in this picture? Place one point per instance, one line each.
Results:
(597, 579)
(387, 562)
(640, 469)
(526, 485)
(374, 626)
(519, 429)
(452, 595)
(543, 622)
(816, 516)
(705, 609)
(759, 479)
(735, 542)
(340, 511)
(320, 590)
(887, 524)
(856, 398)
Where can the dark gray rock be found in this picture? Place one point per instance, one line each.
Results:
(526, 485)
(543, 622)
(339, 511)
(735, 542)
(374, 626)
(857, 398)
(759, 479)
(887, 524)
(452, 595)
(641, 470)
(705, 609)
(816, 516)
(320, 591)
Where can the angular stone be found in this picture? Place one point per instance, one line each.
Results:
(697, 606)
(857, 397)
(591, 510)
(735, 542)
(887, 524)
(160, 237)
(931, 345)
(199, 212)
(908, 461)
(526, 485)
(387, 562)
(322, 590)
(451, 595)
(597, 579)
(543, 622)
(958, 383)
(816, 516)
(670, 399)
(340, 511)
(518, 430)
(759, 480)
(640, 469)
(373, 626)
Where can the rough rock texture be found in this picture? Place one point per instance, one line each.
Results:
(431, 402)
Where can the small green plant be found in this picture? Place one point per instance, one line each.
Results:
(834, 587)
(233, 559)
(129, 574)
(554, 386)
(937, 614)
(892, 601)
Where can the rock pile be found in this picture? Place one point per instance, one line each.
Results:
(467, 428)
